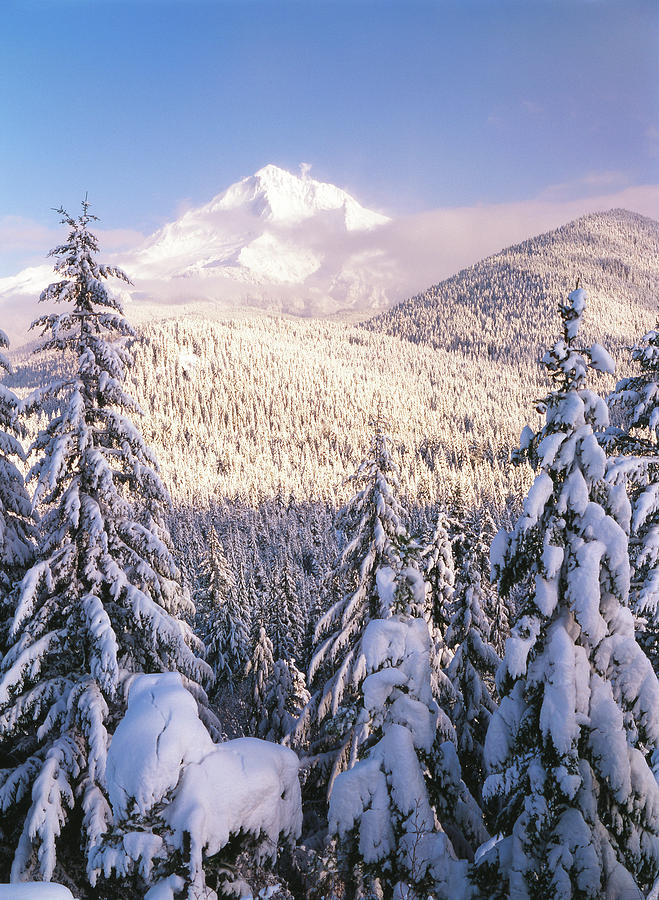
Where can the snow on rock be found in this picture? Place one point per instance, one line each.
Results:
(172, 789)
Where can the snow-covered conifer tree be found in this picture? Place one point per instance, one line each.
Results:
(381, 808)
(471, 670)
(373, 528)
(636, 463)
(285, 697)
(440, 574)
(286, 617)
(259, 669)
(103, 601)
(569, 789)
(225, 626)
(16, 521)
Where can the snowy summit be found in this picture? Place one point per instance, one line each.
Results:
(279, 196)
(272, 239)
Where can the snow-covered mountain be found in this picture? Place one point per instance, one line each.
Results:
(456, 371)
(283, 242)
(273, 240)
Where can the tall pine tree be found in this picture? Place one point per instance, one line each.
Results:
(224, 620)
(372, 523)
(16, 519)
(471, 670)
(636, 446)
(103, 601)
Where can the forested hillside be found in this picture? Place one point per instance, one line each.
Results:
(503, 307)
(253, 406)
(249, 412)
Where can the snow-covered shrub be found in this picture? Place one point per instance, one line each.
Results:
(183, 807)
(34, 890)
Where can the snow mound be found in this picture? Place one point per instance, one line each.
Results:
(173, 790)
(35, 890)
(160, 735)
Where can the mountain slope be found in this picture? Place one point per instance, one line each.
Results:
(505, 307)
(257, 405)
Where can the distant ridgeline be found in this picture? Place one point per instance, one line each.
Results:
(259, 406)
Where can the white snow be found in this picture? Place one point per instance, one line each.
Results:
(35, 890)
(261, 240)
(601, 360)
(189, 792)
(160, 734)
(279, 196)
(244, 785)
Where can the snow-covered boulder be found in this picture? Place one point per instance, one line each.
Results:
(173, 791)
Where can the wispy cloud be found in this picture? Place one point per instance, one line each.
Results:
(588, 185)
(24, 242)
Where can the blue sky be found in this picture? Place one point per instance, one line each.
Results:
(152, 104)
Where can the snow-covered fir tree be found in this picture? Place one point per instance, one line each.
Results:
(286, 695)
(225, 626)
(259, 670)
(380, 809)
(436, 560)
(471, 670)
(480, 533)
(636, 463)
(103, 601)
(372, 524)
(286, 618)
(569, 790)
(440, 574)
(16, 519)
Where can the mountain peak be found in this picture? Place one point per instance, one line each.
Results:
(271, 172)
(279, 196)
